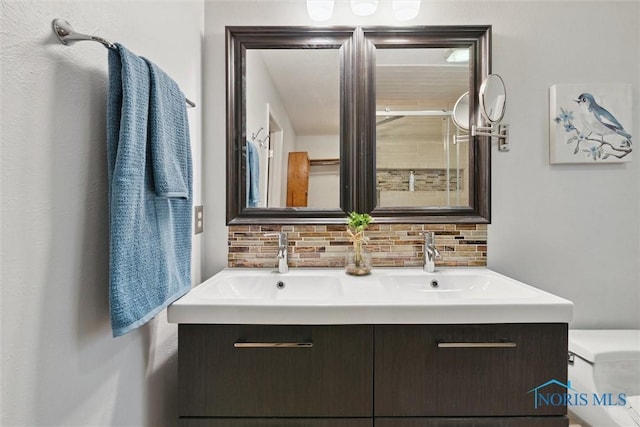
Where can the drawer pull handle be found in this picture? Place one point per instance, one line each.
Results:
(273, 345)
(502, 344)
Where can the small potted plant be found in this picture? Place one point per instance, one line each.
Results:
(359, 260)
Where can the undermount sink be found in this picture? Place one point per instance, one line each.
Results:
(321, 296)
(278, 287)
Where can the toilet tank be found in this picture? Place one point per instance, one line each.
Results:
(614, 355)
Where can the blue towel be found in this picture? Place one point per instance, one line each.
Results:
(150, 232)
(168, 135)
(253, 175)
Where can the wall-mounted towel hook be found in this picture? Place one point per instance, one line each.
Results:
(67, 36)
(262, 143)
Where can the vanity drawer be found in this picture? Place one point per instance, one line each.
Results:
(276, 422)
(467, 370)
(275, 370)
(474, 422)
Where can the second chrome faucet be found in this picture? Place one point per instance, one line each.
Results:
(430, 252)
(283, 251)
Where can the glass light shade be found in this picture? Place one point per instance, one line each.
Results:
(364, 7)
(405, 10)
(320, 10)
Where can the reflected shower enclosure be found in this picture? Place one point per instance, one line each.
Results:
(418, 160)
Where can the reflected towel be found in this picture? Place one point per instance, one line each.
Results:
(150, 236)
(253, 175)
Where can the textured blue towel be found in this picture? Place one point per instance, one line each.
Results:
(253, 175)
(150, 233)
(168, 135)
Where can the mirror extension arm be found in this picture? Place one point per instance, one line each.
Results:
(501, 135)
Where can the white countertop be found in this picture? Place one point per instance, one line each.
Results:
(328, 296)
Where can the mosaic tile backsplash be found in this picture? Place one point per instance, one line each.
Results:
(391, 245)
(425, 179)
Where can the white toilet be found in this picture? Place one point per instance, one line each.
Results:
(601, 362)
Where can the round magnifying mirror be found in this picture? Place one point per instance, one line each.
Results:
(493, 98)
(460, 113)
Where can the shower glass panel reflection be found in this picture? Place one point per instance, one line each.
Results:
(417, 162)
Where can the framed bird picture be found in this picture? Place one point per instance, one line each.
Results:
(590, 123)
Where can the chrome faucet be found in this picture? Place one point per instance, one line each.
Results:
(283, 251)
(430, 252)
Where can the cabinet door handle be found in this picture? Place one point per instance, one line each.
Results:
(273, 344)
(501, 344)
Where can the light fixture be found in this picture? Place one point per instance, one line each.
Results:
(458, 55)
(320, 10)
(364, 7)
(405, 10)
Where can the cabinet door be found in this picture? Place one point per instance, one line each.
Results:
(468, 370)
(473, 422)
(276, 422)
(298, 179)
(275, 371)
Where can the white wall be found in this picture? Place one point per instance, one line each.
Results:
(324, 181)
(572, 230)
(60, 365)
(577, 226)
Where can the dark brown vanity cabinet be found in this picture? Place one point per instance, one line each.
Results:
(466, 370)
(370, 375)
(277, 422)
(473, 422)
(275, 371)
(467, 375)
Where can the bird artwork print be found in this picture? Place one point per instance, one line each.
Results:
(597, 119)
(595, 130)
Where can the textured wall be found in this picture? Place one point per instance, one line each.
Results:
(60, 365)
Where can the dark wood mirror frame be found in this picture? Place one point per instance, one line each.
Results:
(238, 40)
(357, 119)
(478, 40)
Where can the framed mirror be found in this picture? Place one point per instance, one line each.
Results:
(419, 170)
(362, 117)
(289, 128)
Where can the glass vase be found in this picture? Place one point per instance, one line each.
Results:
(358, 262)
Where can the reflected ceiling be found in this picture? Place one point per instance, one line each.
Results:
(309, 84)
(308, 81)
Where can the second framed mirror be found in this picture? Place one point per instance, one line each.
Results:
(419, 171)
